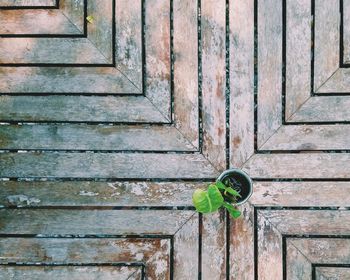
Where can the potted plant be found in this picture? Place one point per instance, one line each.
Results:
(232, 188)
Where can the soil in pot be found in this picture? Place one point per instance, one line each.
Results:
(238, 182)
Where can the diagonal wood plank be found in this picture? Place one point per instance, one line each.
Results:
(332, 273)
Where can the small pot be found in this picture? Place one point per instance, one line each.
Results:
(239, 181)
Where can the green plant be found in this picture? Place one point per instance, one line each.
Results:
(216, 197)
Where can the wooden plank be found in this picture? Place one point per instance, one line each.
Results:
(269, 69)
(118, 193)
(334, 273)
(346, 31)
(105, 165)
(303, 165)
(297, 264)
(300, 194)
(298, 64)
(309, 137)
(186, 68)
(324, 250)
(70, 80)
(242, 245)
(68, 272)
(324, 109)
(326, 51)
(186, 250)
(128, 40)
(339, 82)
(92, 137)
(125, 109)
(19, 3)
(74, 11)
(13, 22)
(214, 246)
(241, 14)
(214, 81)
(50, 51)
(154, 253)
(92, 222)
(157, 54)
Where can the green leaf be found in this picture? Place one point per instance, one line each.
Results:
(234, 212)
(232, 192)
(90, 19)
(220, 185)
(207, 201)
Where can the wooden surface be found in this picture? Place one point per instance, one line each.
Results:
(108, 126)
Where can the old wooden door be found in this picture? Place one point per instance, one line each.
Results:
(113, 111)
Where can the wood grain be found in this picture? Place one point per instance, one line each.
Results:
(297, 264)
(309, 137)
(19, 3)
(74, 11)
(323, 109)
(337, 83)
(298, 64)
(214, 81)
(71, 272)
(326, 52)
(334, 273)
(157, 52)
(105, 165)
(269, 69)
(92, 137)
(346, 31)
(303, 165)
(92, 222)
(186, 69)
(241, 14)
(36, 22)
(126, 109)
(69, 80)
(118, 193)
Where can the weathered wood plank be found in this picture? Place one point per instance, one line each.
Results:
(92, 137)
(324, 250)
(129, 40)
(303, 165)
(297, 264)
(326, 51)
(214, 81)
(154, 253)
(214, 246)
(80, 80)
(300, 194)
(334, 273)
(346, 31)
(19, 3)
(309, 137)
(324, 109)
(157, 48)
(68, 272)
(339, 82)
(186, 68)
(269, 69)
(15, 22)
(242, 245)
(186, 250)
(49, 51)
(125, 109)
(105, 165)
(298, 64)
(92, 222)
(74, 11)
(29, 194)
(241, 14)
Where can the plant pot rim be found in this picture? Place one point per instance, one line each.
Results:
(245, 175)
